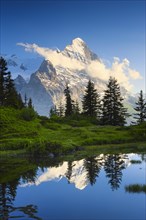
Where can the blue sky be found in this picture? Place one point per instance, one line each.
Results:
(110, 28)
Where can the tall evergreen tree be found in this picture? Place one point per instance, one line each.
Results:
(91, 101)
(113, 112)
(60, 110)
(30, 103)
(76, 108)
(20, 102)
(3, 73)
(8, 93)
(69, 102)
(25, 100)
(11, 96)
(53, 111)
(140, 108)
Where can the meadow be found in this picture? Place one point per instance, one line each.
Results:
(60, 136)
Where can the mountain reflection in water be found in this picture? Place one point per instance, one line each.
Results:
(81, 173)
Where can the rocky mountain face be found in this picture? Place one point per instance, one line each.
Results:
(22, 66)
(46, 85)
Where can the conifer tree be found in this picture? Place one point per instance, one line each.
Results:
(3, 73)
(60, 110)
(25, 100)
(11, 96)
(8, 93)
(91, 101)
(30, 103)
(20, 102)
(113, 112)
(140, 108)
(69, 102)
(53, 111)
(76, 108)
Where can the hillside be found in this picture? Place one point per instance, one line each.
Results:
(65, 136)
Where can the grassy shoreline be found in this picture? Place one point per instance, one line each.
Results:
(87, 151)
(65, 136)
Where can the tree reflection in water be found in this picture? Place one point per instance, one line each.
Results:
(69, 171)
(93, 166)
(114, 164)
(7, 197)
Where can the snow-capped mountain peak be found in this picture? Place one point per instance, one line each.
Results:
(74, 66)
(79, 50)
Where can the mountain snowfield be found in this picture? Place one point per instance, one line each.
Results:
(74, 66)
(78, 176)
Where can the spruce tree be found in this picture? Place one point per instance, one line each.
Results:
(3, 73)
(20, 101)
(140, 108)
(53, 112)
(8, 93)
(30, 103)
(113, 111)
(76, 108)
(25, 100)
(11, 96)
(91, 101)
(60, 110)
(69, 102)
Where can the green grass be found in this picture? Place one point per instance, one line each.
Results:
(64, 136)
(136, 188)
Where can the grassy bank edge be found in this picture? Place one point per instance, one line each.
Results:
(137, 147)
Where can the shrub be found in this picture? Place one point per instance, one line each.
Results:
(28, 114)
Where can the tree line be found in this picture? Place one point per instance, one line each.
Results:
(108, 110)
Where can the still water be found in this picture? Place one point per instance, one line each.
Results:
(90, 188)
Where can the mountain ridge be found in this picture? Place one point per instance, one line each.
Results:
(49, 77)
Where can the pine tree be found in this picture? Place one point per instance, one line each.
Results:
(113, 112)
(53, 111)
(69, 102)
(20, 102)
(140, 116)
(60, 110)
(11, 96)
(3, 73)
(30, 103)
(76, 108)
(8, 93)
(25, 100)
(91, 101)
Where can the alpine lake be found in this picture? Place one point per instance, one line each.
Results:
(99, 187)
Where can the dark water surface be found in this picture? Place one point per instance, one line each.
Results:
(91, 188)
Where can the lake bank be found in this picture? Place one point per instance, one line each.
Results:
(65, 136)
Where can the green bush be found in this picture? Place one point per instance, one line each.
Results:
(28, 114)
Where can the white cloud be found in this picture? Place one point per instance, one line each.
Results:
(134, 74)
(120, 69)
(53, 55)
